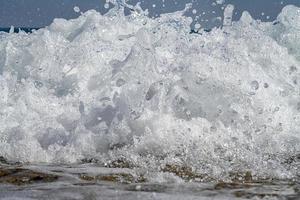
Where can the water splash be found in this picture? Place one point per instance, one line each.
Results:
(144, 90)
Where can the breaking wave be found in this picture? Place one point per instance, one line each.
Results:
(111, 87)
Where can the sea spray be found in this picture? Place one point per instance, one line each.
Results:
(114, 87)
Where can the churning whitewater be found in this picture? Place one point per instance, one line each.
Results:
(148, 92)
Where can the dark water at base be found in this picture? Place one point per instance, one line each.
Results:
(92, 182)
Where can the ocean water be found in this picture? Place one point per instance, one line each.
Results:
(181, 112)
(17, 30)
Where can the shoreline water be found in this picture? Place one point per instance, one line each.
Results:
(89, 181)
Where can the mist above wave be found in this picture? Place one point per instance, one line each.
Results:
(147, 91)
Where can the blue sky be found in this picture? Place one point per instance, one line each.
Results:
(39, 13)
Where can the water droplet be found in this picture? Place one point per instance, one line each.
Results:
(38, 84)
(266, 85)
(188, 112)
(213, 129)
(197, 26)
(150, 94)
(254, 85)
(76, 9)
(106, 6)
(246, 117)
(284, 93)
(120, 82)
(293, 69)
(279, 127)
(260, 111)
(295, 81)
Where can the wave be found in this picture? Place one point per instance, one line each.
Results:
(115, 87)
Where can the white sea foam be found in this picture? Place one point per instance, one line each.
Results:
(146, 90)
